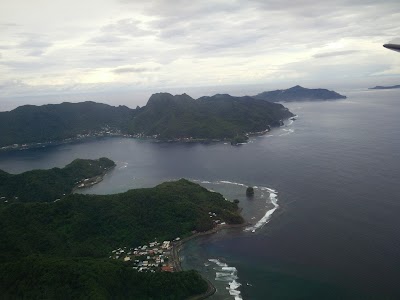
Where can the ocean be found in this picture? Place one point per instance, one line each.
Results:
(325, 213)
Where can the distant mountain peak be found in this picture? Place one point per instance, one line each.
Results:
(165, 116)
(167, 98)
(299, 93)
(380, 87)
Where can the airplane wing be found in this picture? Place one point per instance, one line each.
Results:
(394, 47)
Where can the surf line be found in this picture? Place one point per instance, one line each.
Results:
(227, 274)
(273, 199)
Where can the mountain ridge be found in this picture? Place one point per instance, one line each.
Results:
(380, 87)
(299, 93)
(165, 117)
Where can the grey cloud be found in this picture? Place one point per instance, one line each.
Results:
(23, 65)
(34, 45)
(117, 33)
(394, 41)
(183, 9)
(13, 86)
(299, 21)
(129, 27)
(9, 25)
(335, 53)
(327, 71)
(107, 40)
(123, 70)
(205, 37)
(36, 52)
(212, 34)
(6, 47)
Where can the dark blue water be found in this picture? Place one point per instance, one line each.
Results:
(336, 171)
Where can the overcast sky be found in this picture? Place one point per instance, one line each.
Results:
(57, 46)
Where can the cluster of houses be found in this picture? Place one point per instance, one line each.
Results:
(141, 135)
(215, 218)
(105, 131)
(154, 257)
(5, 199)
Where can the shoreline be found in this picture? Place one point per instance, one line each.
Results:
(83, 137)
(92, 180)
(177, 247)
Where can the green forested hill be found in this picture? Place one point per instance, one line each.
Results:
(61, 248)
(49, 185)
(39, 277)
(165, 115)
(30, 124)
(299, 93)
(93, 225)
(216, 117)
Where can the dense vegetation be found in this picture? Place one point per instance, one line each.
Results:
(216, 117)
(166, 116)
(60, 248)
(298, 93)
(39, 277)
(52, 122)
(49, 185)
(239, 139)
(93, 225)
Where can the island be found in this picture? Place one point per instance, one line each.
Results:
(379, 87)
(165, 117)
(299, 93)
(107, 246)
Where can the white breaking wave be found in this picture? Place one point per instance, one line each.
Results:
(217, 262)
(291, 121)
(234, 183)
(227, 274)
(124, 165)
(228, 268)
(273, 199)
(287, 132)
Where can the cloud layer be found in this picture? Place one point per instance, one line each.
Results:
(85, 45)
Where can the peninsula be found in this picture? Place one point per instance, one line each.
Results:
(221, 116)
(299, 93)
(107, 246)
(165, 117)
(379, 87)
(54, 184)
